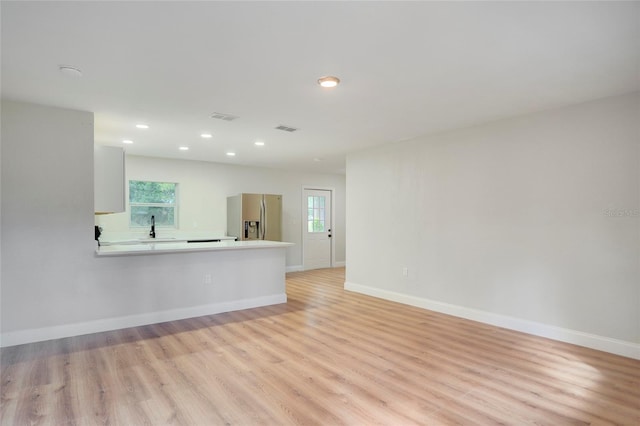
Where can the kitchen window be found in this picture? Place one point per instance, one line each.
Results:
(159, 199)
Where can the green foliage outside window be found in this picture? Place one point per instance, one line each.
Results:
(315, 218)
(157, 199)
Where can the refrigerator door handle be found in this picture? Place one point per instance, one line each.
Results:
(263, 218)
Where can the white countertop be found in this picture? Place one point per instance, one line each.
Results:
(180, 247)
(168, 239)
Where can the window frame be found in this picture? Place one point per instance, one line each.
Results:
(162, 205)
(311, 214)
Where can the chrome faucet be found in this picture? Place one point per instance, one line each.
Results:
(152, 233)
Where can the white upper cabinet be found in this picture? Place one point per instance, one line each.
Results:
(108, 171)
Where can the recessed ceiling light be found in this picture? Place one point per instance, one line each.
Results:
(127, 141)
(258, 143)
(142, 126)
(231, 154)
(184, 148)
(70, 71)
(206, 135)
(328, 81)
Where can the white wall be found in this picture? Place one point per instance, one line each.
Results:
(47, 200)
(509, 222)
(203, 191)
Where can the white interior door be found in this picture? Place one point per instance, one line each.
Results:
(317, 229)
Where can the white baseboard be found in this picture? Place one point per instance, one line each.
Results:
(618, 347)
(20, 337)
(300, 268)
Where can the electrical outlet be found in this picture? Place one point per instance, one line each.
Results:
(405, 272)
(207, 279)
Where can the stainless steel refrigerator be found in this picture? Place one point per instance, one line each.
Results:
(255, 217)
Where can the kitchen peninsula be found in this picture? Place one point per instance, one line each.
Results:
(177, 280)
(168, 246)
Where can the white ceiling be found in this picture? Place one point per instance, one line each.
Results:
(407, 69)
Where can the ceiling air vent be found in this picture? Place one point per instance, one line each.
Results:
(286, 128)
(225, 117)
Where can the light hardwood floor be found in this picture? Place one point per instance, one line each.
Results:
(326, 357)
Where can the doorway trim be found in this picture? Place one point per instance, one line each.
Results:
(303, 217)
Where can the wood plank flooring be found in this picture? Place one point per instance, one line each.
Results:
(326, 357)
